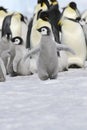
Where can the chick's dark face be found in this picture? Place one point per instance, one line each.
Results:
(44, 30)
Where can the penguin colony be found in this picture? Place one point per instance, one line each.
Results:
(49, 42)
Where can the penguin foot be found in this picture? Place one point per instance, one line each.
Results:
(44, 77)
(74, 66)
(13, 74)
(2, 79)
(65, 69)
(53, 77)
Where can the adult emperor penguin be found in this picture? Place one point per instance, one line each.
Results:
(3, 13)
(53, 15)
(73, 36)
(41, 6)
(16, 24)
(47, 64)
(2, 71)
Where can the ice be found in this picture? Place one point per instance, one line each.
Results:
(27, 103)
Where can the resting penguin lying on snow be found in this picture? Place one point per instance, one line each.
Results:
(47, 64)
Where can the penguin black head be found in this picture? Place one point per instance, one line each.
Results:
(17, 40)
(2, 8)
(73, 5)
(43, 2)
(53, 0)
(44, 16)
(44, 30)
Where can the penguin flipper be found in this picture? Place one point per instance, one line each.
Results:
(61, 47)
(15, 63)
(32, 52)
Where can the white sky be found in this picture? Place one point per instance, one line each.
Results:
(28, 5)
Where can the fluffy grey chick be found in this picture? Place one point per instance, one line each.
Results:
(47, 64)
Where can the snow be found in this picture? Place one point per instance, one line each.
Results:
(27, 103)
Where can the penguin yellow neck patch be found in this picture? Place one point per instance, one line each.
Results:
(54, 3)
(60, 22)
(70, 9)
(2, 13)
(43, 4)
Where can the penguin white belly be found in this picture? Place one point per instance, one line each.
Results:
(85, 31)
(62, 61)
(24, 32)
(33, 64)
(1, 20)
(73, 36)
(16, 27)
(35, 37)
(24, 67)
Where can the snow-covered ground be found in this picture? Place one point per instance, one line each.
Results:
(27, 103)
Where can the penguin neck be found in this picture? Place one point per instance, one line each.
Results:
(54, 3)
(45, 40)
(70, 13)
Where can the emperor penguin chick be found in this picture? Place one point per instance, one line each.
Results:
(20, 66)
(47, 64)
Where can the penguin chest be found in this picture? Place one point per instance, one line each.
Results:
(48, 58)
(35, 37)
(16, 27)
(73, 36)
